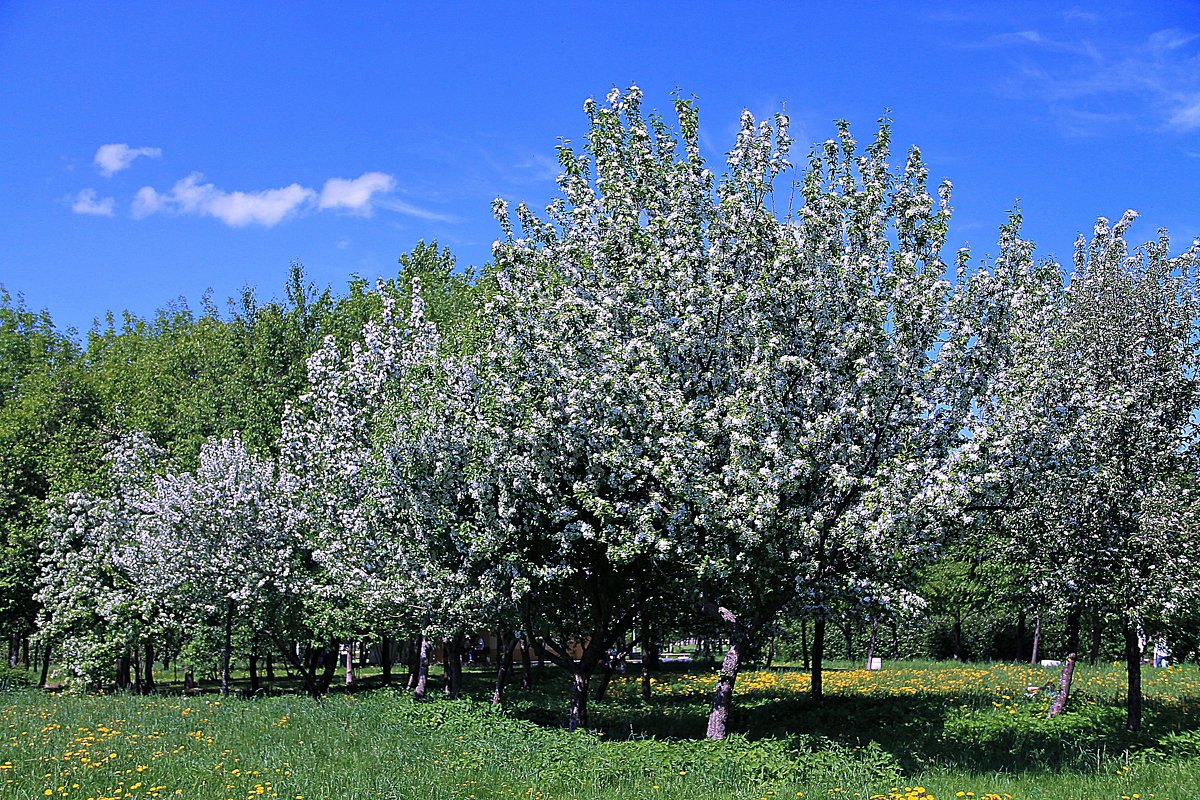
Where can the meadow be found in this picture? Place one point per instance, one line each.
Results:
(913, 731)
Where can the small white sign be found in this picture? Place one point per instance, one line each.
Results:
(875, 663)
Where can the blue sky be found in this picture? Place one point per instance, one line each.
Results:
(153, 150)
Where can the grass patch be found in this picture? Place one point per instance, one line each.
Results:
(913, 730)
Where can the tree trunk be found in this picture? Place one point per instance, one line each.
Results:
(148, 682)
(349, 663)
(45, 676)
(189, 679)
(423, 648)
(818, 655)
(956, 636)
(770, 651)
(412, 652)
(253, 668)
(578, 714)
(227, 650)
(136, 663)
(124, 681)
(330, 659)
(504, 660)
(452, 666)
(1064, 687)
(1021, 633)
(270, 668)
(648, 663)
(1037, 638)
(526, 667)
(385, 659)
(1133, 663)
(871, 642)
(718, 717)
(1068, 671)
(608, 667)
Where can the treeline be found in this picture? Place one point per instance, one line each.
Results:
(750, 409)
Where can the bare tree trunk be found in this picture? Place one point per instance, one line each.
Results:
(578, 714)
(45, 676)
(148, 681)
(871, 642)
(423, 648)
(526, 667)
(504, 660)
(1037, 638)
(452, 666)
(413, 653)
(1133, 663)
(136, 665)
(124, 681)
(818, 656)
(270, 668)
(349, 663)
(227, 649)
(1068, 671)
(718, 717)
(385, 659)
(189, 679)
(253, 670)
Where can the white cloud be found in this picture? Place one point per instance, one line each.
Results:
(112, 158)
(269, 207)
(86, 202)
(355, 194)
(237, 209)
(1187, 117)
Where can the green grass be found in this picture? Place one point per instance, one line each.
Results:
(943, 728)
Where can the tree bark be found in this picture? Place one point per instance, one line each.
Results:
(1133, 664)
(124, 681)
(718, 717)
(227, 650)
(253, 669)
(349, 663)
(423, 648)
(385, 659)
(1021, 633)
(412, 652)
(504, 660)
(526, 667)
(1037, 638)
(578, 713)
(1068, 671)
(818, 655)
(871, 642)
(148, 681)
(270, 668)
(452, 666)
(45, 676)
(1097, 634)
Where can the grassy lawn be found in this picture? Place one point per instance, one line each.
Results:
(909, 731)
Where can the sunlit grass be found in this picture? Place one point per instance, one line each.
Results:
(911, 731)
